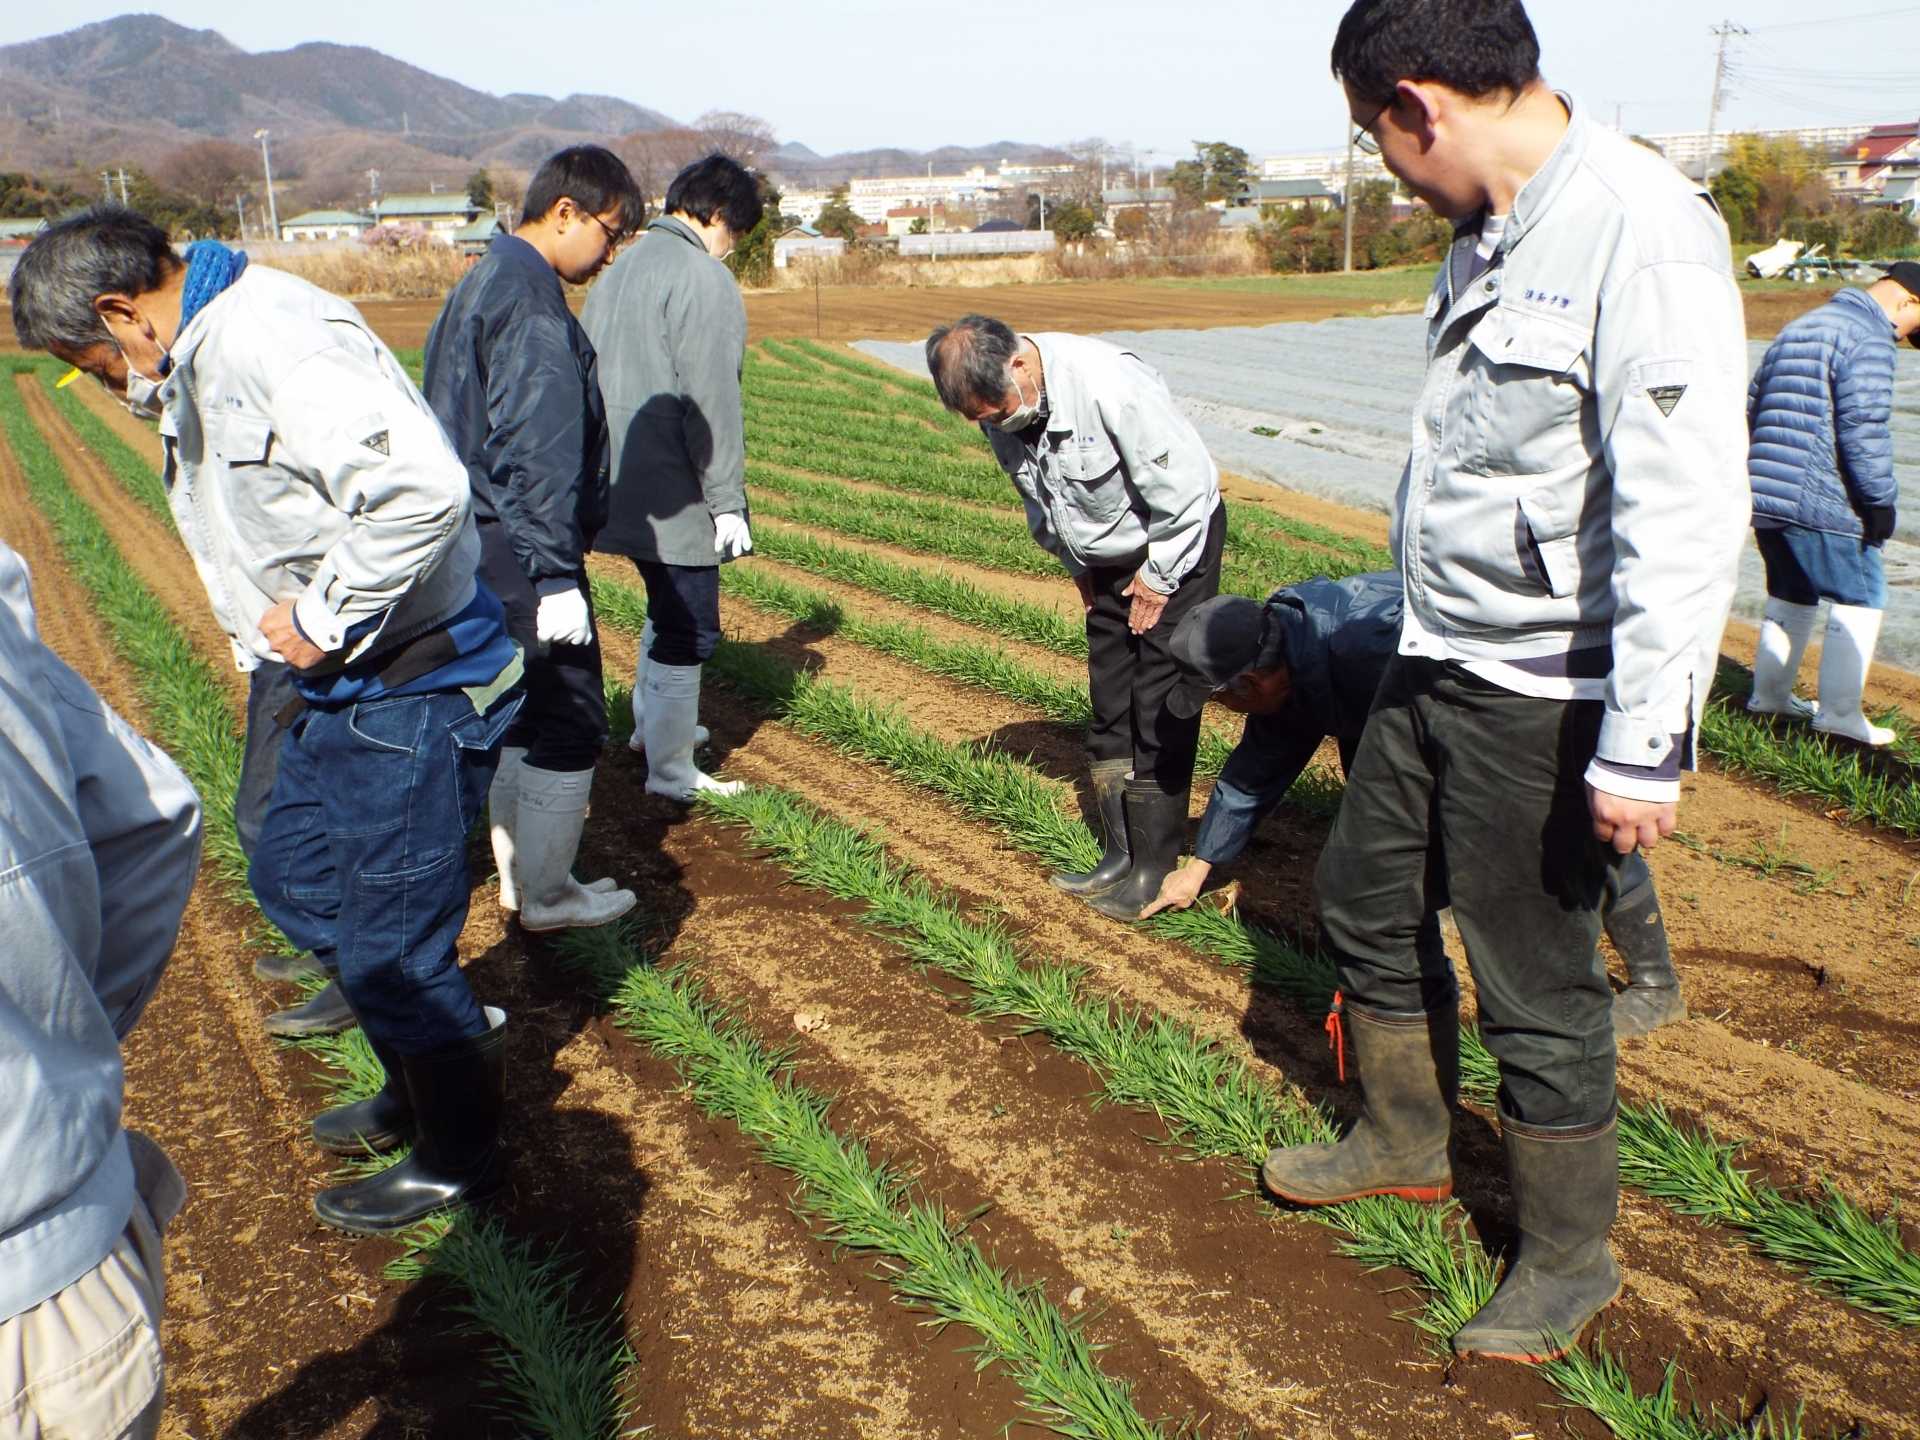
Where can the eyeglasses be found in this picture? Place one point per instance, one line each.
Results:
(1364, 139)
(614, 238)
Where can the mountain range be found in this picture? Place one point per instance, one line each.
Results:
(131, 90)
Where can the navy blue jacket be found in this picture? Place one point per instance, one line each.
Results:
(1337, 637)
(515, 384)
(1819, 415)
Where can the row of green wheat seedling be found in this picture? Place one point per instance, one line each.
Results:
(560, 1373)
(1841, 1247)
(1210, 1102)
(861, 1203)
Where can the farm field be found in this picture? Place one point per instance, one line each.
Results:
(859, 1068)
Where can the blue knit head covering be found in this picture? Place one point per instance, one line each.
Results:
(211, 268)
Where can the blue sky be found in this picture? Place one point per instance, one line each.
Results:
(848, 74)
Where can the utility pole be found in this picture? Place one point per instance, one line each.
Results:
(273, 208)
(1726, 30)
(106, 186)
(929, 197)
(1347, 203)
(240, 209)
(123, 187)
(373, 188)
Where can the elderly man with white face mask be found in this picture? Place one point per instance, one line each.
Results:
(1119, 487)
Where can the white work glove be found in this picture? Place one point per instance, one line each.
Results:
(562, 619)
(731, 538)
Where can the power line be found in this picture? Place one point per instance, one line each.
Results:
(1829, 20)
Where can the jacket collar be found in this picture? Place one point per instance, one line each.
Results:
(1539, 193)
(679, 228)
(1062, 396)
(1861, 300)
(194, 333)
(519, 255)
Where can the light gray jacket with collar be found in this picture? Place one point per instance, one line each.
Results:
(304, 465)
(1119, 476)
(1577, 476)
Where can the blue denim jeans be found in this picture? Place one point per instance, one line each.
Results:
(269, 689)
(1806, 566)
(362, 858)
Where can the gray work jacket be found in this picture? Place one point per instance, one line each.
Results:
(1118, 476)
(99, 845)
(670, 328)
(1578, 475)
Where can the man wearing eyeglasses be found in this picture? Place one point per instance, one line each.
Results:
(515, 381)
(1567, 531)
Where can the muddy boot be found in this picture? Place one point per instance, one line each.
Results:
(1409, 1079)
(1110, 795)
(1566, 1192)
(288, 969)
(381, 1122)
(457, 1156)
(1652, 997)
(1156, 826)
(325, 1012)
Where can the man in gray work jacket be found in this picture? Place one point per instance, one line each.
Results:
(99, 844)
(515, 383)
(671, 332)
(1567, 531)
(1118, 486)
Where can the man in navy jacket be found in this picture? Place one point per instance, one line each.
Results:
(1819, 415)
(515, 381)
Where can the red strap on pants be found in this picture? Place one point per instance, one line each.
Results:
(1337, 1036)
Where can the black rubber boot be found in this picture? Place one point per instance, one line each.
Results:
(1566, 1192)
(1156, 826)
(457, 1157)
(1652, 997)
(381, 1122)
(325, 1012)
(1409, 1079)
(1110, 796)
(287, 969)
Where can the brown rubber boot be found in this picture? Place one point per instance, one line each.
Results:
(1409, 1079)
(1566, 1192)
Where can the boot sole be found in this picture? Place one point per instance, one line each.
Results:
(359, 1227)
(306, 1032)
(1541, 1357)
(1419, 1194)
(575, 924)
(380, 1144)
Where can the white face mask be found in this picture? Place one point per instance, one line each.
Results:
(143, 395)
(1022, 415)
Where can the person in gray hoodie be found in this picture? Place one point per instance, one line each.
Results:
(99, 845)
(670, 329)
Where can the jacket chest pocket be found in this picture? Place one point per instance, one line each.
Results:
(1091, 476)
(1528, 382)
(242, 445)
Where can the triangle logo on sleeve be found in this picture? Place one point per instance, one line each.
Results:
(377, 443)
(1666, 397)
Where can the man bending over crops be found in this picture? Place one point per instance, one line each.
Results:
(1305, 666)
(671, 331)
(515, 382)
(1567, 531)
(1119, 487)
(99, 844)
(332, 528)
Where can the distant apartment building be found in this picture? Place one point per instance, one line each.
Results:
(902, 219)
(326, 225)
(804, 205)
(1327, 166)
(871, 197)
(1688, 148)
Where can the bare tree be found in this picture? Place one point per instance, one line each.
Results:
(656, 156)
(211, 171)
(743, 137)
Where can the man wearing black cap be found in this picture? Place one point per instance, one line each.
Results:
(1819, 417)
(1305, 666)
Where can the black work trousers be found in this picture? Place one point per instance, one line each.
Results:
(563, 723)
(1129, 676)
(1464, 791)
(269, 690)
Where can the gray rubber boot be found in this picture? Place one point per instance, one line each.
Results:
(1566, 1192)
(1156, 829)
(1652, 997)
(1409, 1079)
(1110, 796)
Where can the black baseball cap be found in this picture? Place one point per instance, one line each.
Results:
(1907, 274)
(1217, 640)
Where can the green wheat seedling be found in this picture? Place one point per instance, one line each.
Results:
(1210, 1102)
(864, 1204)
(190, 710)
(1027, 809)
(125, 463)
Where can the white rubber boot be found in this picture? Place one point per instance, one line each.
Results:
(637, 742)
(673, 700)
(1785, 629)
(553, 810)
(503, 819)
(1845, 655)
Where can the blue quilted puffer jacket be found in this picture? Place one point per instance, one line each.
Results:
(1819, 415)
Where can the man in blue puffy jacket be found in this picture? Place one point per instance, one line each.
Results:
(1819, 415)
